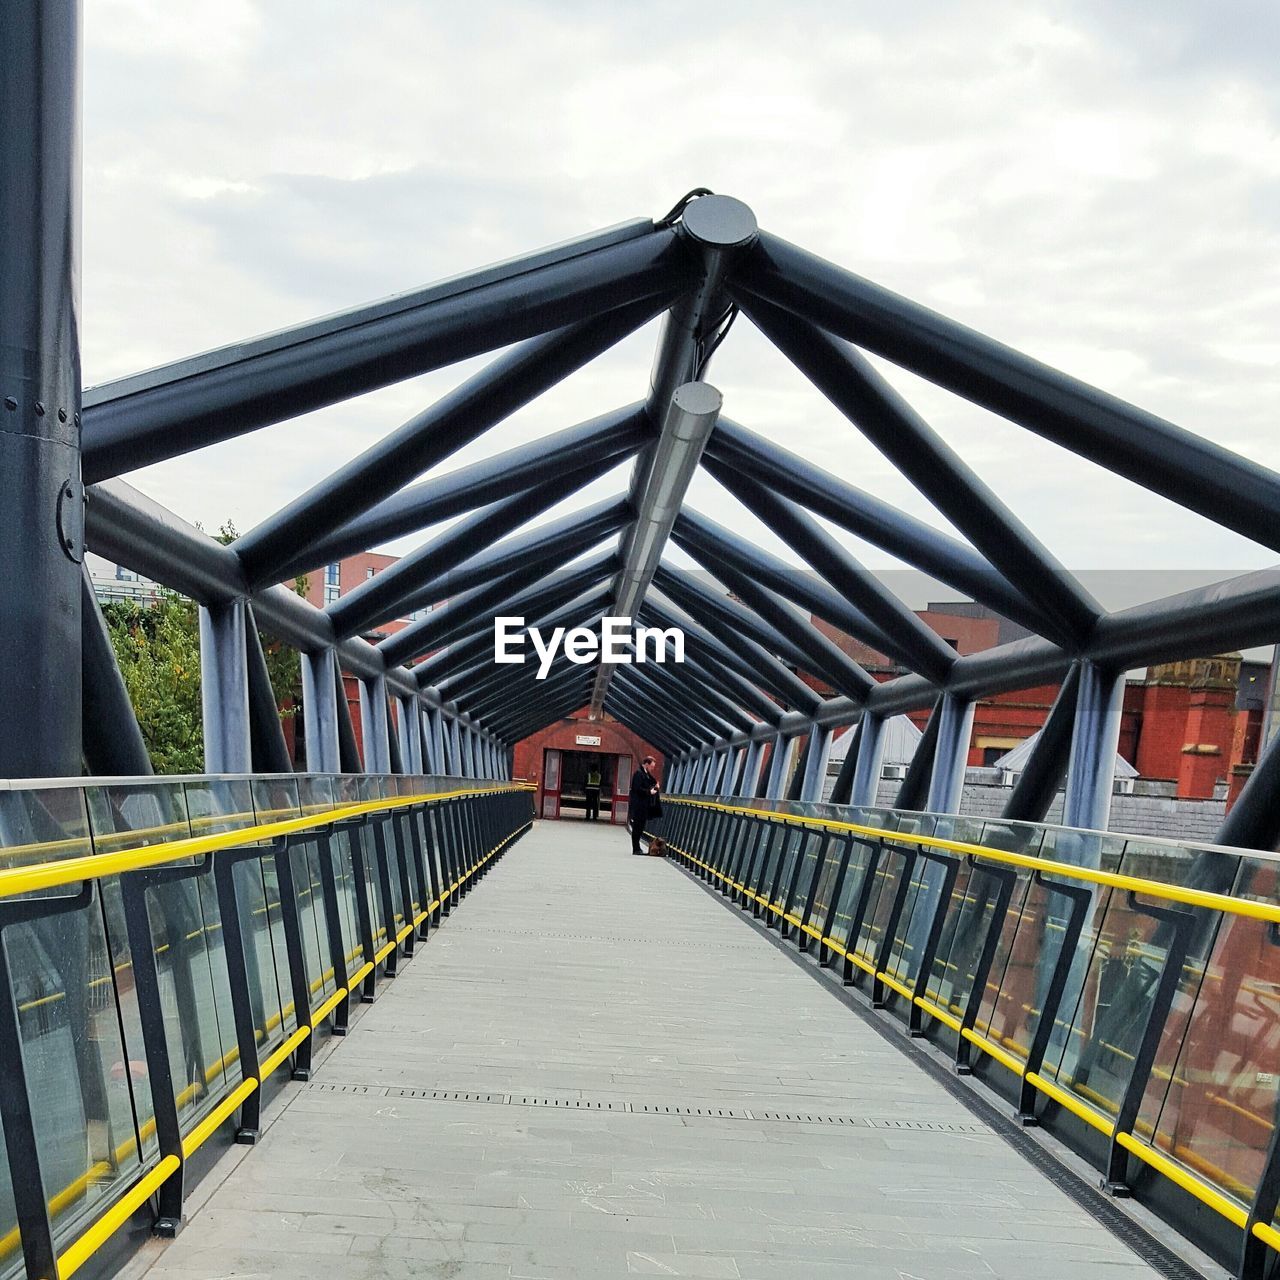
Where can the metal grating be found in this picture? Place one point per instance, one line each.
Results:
(932, 1126)
(549, 1101)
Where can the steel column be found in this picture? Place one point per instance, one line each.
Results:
(1091, 770)
(410, 734)
(750, 769)
(41, 496)
(456, 763)
(869, 762)
(782, 751)
(842, 788)
(375, 728)
(951, 756)
(321, 689)
(815, 765)
(267, 745)
(224, 688)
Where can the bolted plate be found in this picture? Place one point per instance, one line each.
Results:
(720, 222)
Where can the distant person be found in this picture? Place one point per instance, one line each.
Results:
(643, 802)
(593, 792)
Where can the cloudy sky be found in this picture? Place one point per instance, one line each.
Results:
(1097, 184)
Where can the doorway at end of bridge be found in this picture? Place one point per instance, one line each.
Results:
(568, 790)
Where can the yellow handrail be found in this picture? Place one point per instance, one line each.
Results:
(19, 880)
(1135, 884)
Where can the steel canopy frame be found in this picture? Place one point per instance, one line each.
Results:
(563, 306)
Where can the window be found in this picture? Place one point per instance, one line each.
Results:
(368, 573)
(331, 593)
(331, 578)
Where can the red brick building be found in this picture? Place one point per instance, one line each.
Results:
(557, 759)
(1196, 724)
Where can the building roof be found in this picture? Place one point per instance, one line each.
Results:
(1016, 760)
(900, 739)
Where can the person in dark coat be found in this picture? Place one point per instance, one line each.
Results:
(642, 800)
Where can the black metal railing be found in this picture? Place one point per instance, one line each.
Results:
(1123, 991)
(168, 947)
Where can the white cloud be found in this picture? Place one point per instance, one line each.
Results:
(1096, 189)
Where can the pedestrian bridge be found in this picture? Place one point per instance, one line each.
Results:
(393, 1026)
(344, 1004)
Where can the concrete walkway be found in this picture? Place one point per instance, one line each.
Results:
(631, 1059)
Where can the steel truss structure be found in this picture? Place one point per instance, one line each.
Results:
(731, 718)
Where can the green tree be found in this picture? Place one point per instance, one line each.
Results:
(158, 649)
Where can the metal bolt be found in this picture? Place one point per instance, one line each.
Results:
(10, 403)
(62, 415)
(39, 409)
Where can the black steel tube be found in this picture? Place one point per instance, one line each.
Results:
(467, 412)
(392, 590)
(224, 394)
(926, 651)
(113, 742)
(611, 438)
(754, 641)
(870, 518)
(1047, 766)
(41, 498)
(817, 654)
(1203, 477)
(849, 380)
(267, 746)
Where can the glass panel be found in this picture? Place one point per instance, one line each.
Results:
(919, 905)
(78, 1074)
(137, 814)
(276, 799)
(860, 852)
(889, 871)
(810, 846)
(345, 876)
(391, 846)
(41, 826)
(1074, 1020)
(195, 996)
(315, 794)
(304, 862)
(1216, 1088)
(266, 952)
(791, 841)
